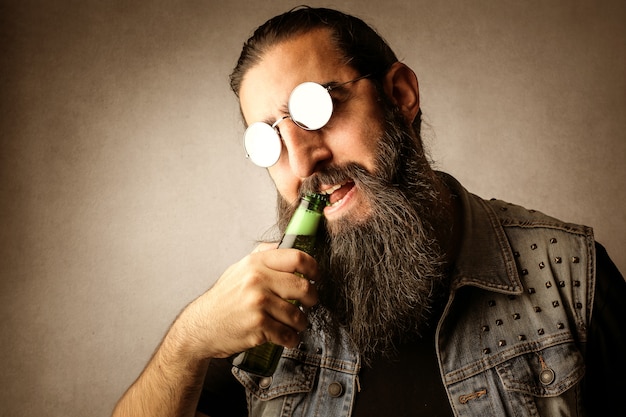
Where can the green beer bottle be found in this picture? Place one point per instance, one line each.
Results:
(300, 234)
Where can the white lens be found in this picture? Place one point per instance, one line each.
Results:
(262, 144)
(310, 106)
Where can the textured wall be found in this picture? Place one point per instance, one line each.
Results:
(124, 192)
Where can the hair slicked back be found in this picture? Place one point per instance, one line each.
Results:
(363, 48)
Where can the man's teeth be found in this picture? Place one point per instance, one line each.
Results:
(332, 189)
(335, 203)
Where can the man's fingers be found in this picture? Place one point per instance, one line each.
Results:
(289, 273)
(279, 323)
(290, 260)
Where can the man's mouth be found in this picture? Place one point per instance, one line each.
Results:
(337, 192)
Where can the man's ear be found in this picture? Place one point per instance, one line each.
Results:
(400, 85)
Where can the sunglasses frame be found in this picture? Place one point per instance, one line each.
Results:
(259, 155)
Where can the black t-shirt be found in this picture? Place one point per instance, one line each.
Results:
(410, 384)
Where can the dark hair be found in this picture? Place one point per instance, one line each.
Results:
(363, 48)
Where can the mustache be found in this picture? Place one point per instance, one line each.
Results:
(337, 174)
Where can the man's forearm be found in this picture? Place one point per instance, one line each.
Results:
(169, 386)
(212, 326)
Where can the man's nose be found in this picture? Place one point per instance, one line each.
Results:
(306, 149)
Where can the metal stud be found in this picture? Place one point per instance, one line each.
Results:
(533, 246)
(537, 309)
(499, 322)
(485, 328)
(524, 271)
(575, 259)
(521, 337)
(579, 305)
(562, 284)
(265, 383)
(546, 376)
(335, 389)
(555, 304)
(541, 331)
(576, 283)
(542, 265)
(492, 303)
(486, 351)
(560, 326)
(549, 284)
(553, 240)
(516, 254)
(558, 260)
(531, 290)
(516, 316)
(501, 343)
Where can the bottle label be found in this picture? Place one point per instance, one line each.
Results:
(305, 243)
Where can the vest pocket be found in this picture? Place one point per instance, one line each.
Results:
(545, 373)
(291, 377)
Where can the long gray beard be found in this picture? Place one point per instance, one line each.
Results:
(379, 276)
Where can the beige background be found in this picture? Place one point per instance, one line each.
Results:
(124, 193)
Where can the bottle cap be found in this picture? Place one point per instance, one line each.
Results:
(316, 201)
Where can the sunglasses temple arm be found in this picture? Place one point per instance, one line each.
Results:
(331, 87)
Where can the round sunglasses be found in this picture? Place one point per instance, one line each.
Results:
(310, 107)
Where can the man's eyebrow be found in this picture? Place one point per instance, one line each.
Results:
(331, 85)
(270, 120)
(337, 90)
(337, 87)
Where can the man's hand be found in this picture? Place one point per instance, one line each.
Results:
(247, 306)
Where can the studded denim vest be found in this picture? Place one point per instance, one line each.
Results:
(511, 340)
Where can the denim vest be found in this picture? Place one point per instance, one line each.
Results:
(511, 340)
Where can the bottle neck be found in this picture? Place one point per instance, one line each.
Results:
(307, 216)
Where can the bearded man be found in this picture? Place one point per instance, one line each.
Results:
(424, 299)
